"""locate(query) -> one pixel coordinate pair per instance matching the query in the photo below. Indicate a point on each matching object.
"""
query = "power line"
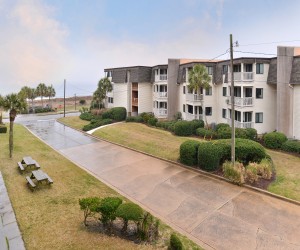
(255, 53)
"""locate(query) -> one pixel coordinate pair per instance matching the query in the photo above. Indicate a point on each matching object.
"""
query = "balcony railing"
(241, 76)
(241, 102)
(194, 97)
(135, 101)
(238, 124)
(163, 77)
(160, 112)
(160, 94)
(190, 117)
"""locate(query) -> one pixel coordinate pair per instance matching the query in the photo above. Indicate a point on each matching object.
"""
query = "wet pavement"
(215, 214)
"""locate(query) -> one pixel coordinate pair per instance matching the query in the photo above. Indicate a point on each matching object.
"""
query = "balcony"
(190, 117)
(238, 124)
(241, 102)
(162, 77)
(194, 97)
(160, 112)
(135, 101)
(241, 76)
(160, 95)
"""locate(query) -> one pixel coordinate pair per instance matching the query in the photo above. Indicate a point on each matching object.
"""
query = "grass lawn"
(74, 122)
(50, 218)
(141, 137)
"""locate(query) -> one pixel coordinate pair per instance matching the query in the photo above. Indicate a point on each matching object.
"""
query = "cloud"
(34, 48)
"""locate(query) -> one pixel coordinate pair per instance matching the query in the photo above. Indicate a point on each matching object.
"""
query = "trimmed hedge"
(205, 133)
(197, 124)
(291, 146)
(87, 116)
(152, 121)
(138, 119)
(224, 132)
(118, 113)
(97, 124)
(222, 125)
(183, 128)
(274, 140)
(146, 116)
(251, 134)
(3, 129)
(167, 125)
(188, 152)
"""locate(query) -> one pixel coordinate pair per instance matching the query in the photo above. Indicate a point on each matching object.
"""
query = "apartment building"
(266, 91)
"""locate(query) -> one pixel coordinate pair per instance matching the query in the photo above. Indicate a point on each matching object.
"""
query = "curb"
(199, 171)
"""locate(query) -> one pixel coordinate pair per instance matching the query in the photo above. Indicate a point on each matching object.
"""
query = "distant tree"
(50, 92)
(82, 102)
(1, 100)
(14, 103)
(32, 95)
(41, 91)
(104, 86)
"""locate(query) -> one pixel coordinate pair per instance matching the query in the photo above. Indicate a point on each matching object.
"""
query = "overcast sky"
(52, 40)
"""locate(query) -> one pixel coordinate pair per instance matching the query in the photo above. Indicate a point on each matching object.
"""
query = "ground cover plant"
(50, 218)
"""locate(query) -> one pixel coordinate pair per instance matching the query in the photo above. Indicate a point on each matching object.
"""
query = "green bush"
(138, 119)
(96, 124)
(196, 124)
(224, 132)
(129, 211)
(183, 128)
(234, 173)
(189, 152)
(89, 206)
(3, 129)
(251, 134)
(175, 242)
(118, 114)
(274, 140)
(167, 125)
(210, 155)
(108, 207)
(205, 133)
(152, 121)
(146, 116)
(107, 114)
(87, 116)
(43, 110)
(222, 125)
(240, 133)
(290, 146)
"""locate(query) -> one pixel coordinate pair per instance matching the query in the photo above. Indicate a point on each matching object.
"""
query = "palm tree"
(32, 95)
(41, 91)
(25, 92)
(1, 100)
(50, 92)
(199, 79)
(14, 103)
(104, 86)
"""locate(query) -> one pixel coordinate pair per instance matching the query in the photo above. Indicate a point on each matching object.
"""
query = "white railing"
(163, 77)
(160, 94)
(241, 76)
(190, 117)
(194, 97)
(241, 102)
(238, 124)
(160, 112)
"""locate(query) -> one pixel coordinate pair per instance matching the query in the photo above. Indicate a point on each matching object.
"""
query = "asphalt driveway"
(215, 214)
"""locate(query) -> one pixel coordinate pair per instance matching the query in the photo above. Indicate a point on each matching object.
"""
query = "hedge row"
(3, 129)
(97, 124)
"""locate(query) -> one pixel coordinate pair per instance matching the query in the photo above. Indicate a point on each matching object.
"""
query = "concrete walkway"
(215, 214)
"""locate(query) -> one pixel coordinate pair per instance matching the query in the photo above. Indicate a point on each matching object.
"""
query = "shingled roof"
(295, 74)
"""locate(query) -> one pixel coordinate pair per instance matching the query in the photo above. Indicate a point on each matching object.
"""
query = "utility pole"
(64, 97)
(232, 105)
(75, 101)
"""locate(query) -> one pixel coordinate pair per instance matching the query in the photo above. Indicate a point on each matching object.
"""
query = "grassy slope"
(74, 122)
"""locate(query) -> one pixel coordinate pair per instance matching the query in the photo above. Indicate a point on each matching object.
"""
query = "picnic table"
(28, 162)
(40, 177)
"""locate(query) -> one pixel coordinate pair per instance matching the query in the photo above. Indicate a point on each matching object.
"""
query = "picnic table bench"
(28, 162)
(30, 183)
(40, 178)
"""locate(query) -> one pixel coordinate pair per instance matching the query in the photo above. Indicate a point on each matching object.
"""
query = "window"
(225, 69)
(258, 117)
(183, 108)
(163, 105)
(237, 68)
(209, 70)
(163, 88)
(224, 91)
(224, 113)
(208, 111)
(259, 93)
(109, 74)
(110, 100)
(237, 116)
(208, 91)
(183, 89)
(259, 68)
(248, 67)
(248, 92)
(163, 71)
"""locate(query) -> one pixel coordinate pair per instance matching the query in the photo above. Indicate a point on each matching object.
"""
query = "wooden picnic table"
(41, 177)
(28, 162)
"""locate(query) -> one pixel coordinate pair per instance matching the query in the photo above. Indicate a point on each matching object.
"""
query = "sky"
(47, 41)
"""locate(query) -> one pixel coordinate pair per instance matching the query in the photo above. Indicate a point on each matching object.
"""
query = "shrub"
(222, 125)
(146, 116)
(129, 211)
(96, 124)
(291, 146)
(224, 132)
(138, 119)
(196, 124)
(189, 152)
(205, 133)
(87, 116)
(108, 207)
(274, 140)
(240, 133)
(251, 134)
(183, 128)
(210, 155)
(3, 129)
(82, 102)
(177, 116)
(234, 173)
(265, 169)
(118, 114)
(152, 121)
(148, 227)
(167, 125)
(251, 172)
(89, 206)
(175, 242)
(107, 114)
